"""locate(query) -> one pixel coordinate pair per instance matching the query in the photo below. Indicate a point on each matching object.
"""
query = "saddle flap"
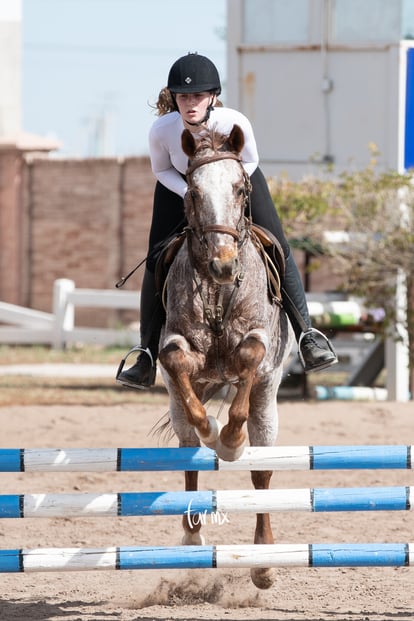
(165, 258)
(273, 258)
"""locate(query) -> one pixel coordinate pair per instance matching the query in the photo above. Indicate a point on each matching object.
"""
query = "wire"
(98, 49)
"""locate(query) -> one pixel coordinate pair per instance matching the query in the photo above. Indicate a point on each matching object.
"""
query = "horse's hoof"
(227, 453)
(193, 539)
(211, 439)
(262, 578)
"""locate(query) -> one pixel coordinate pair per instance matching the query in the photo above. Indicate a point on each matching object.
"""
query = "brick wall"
(87, 220)
(10, 225)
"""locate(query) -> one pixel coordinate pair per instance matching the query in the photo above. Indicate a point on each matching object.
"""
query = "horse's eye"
(240, 192)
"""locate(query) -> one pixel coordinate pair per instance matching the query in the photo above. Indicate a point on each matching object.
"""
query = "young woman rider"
(190, 101)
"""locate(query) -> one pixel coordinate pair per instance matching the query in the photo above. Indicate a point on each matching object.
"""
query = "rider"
(190, 102)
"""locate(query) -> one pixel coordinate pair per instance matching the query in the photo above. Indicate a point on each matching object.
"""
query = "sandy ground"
(326, 594)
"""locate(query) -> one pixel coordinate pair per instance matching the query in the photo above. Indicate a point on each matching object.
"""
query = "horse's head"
(218, 190)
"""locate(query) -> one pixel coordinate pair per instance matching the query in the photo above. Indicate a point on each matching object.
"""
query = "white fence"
(58, 328)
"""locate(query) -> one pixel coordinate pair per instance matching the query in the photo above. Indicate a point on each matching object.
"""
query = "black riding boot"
(315, 351)
(142, 373)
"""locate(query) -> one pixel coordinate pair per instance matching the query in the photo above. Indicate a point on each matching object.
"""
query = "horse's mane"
(211, 140)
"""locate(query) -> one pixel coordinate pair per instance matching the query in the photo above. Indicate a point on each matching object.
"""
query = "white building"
(323, 79)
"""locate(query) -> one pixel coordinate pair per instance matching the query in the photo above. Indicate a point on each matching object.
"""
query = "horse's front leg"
(248, 357)
(181, 364)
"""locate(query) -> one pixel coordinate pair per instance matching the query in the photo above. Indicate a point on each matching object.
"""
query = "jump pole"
(208, 557)
(218, 502)
(204, 459)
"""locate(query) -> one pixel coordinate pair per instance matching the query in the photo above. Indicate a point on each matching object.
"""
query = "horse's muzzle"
(224, 272)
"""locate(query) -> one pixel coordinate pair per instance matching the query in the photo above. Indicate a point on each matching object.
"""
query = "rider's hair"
(166, 103)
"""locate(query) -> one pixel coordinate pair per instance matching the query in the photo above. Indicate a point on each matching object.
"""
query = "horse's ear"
(236, 139)
(188, 143)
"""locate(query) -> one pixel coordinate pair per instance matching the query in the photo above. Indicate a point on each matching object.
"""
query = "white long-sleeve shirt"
(168, 159)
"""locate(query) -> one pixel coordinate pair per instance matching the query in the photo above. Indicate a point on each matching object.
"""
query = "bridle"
(239, 234)
(217, 317)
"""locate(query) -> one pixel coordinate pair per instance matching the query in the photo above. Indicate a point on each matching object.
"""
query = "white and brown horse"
(222, 327)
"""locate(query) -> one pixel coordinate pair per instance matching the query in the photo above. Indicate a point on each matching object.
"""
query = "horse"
(222, 326)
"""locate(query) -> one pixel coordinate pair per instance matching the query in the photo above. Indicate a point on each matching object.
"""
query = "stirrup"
(325, 338)
(144, 350)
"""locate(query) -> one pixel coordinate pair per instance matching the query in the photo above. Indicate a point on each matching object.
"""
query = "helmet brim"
(200, 88)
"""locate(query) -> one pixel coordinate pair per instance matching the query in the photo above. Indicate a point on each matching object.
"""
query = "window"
(407, 26)
(366, 21)
(276, 21)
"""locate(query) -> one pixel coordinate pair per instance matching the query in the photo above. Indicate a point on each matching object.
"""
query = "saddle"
(265, 243)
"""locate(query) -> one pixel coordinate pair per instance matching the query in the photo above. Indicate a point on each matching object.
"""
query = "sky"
(92, 68)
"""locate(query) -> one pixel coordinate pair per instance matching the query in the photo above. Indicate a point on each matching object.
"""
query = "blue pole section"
(360, 457)
(176, 557)
(11, 561)
(11, 506)
(359, 555)
(11, 460)
(361, 499)
(187, 458)
(165, 503)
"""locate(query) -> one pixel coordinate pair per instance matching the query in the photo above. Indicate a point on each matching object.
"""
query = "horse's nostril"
(215, 267)
(224, 272)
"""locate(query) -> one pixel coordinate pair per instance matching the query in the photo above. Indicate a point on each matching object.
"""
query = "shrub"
(376, 210)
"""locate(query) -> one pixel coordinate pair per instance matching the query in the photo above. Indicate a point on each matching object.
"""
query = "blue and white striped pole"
(222, 502)
(204, 459)
(211, 557)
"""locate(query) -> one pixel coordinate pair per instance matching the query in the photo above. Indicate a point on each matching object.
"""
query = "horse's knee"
(168, 355)
(250, 355)
(177, 358)
(173, 359)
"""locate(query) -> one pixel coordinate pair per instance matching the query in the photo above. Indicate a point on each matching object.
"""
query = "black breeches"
(263, 210)
(168, 215)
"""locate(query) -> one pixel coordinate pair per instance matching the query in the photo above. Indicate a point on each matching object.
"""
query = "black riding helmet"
(193, 74)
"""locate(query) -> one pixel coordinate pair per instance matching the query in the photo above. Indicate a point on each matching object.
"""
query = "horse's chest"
(210, 311)
(214, 319)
